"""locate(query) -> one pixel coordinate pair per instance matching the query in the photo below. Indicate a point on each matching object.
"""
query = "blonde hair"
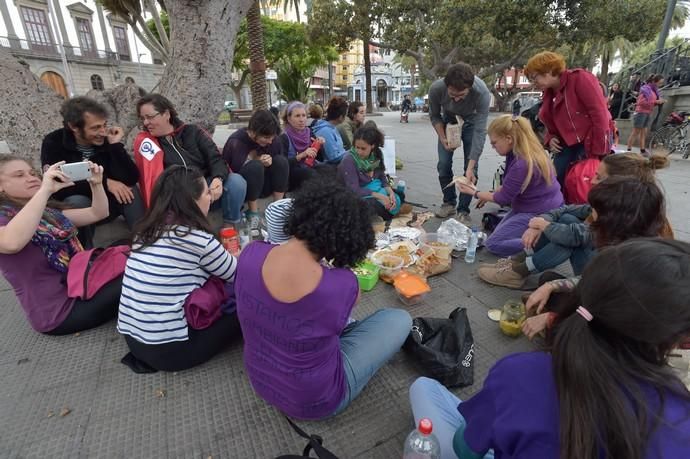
(526, 145)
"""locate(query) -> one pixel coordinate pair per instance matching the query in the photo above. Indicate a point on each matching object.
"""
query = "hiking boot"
(504, 276)
(405, 209)
(498, 264)
(446, 210)
(464, 218)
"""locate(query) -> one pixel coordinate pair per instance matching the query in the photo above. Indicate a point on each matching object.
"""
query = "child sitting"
(363, 172)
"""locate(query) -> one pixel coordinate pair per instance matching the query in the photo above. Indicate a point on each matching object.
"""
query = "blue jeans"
(445, 169)
(430, 399)
(366, 345)
(234, 192)
(548, 255)
(563, 160)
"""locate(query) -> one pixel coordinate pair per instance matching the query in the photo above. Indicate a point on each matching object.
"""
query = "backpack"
(578, 180)
(89, 270)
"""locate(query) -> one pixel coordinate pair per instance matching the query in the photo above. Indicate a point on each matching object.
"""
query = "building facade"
(100, 49)
(390, 81)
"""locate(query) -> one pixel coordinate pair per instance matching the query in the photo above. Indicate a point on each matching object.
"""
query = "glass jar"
(512, 317)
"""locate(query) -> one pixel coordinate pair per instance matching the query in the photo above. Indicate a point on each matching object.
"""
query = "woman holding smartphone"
(36, 262)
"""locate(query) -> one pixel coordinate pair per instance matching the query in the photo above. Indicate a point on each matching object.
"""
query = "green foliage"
(165, 20)
(292, 81)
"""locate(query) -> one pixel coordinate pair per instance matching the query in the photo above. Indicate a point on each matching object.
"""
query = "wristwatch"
(476, 194)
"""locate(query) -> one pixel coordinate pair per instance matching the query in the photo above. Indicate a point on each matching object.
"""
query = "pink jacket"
(577, 113)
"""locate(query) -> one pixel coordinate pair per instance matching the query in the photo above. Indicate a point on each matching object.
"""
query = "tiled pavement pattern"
(211, 411)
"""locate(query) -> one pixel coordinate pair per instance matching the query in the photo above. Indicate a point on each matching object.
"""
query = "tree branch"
(240, 83)
(499, 67)
(153, 47)
(159, 25)
(144, 30)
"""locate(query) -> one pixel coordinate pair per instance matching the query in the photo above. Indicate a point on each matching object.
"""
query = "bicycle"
(672, 138)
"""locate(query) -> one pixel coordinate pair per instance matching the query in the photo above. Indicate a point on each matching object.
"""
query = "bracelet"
(476, 194)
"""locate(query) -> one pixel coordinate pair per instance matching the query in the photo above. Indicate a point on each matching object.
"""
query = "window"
(37, 29)
(121, 44)
(344, 68)
(509, 80)
(344, 77)
(88, 48)
(523, 79)
(387, 52)
(97, 82)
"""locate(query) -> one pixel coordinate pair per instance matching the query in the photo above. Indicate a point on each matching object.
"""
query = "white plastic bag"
(388, 151)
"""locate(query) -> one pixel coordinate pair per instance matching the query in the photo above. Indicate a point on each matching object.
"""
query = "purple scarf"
(300, 139)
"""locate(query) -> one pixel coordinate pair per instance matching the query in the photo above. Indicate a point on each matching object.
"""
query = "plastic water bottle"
(472, 246)
(245, 236)
(401, 186)
(422, 443)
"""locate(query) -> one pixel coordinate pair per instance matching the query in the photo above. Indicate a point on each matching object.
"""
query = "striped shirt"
(276, 215)
(86, 151)
(159, 278)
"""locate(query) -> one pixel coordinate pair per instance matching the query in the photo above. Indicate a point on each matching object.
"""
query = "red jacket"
(576, 112)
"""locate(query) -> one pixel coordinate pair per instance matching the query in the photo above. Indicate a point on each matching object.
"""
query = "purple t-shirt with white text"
(292, 350)
(40, 289)
(516, 414)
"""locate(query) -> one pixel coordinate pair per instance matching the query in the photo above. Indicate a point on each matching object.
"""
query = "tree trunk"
(605, 58)
(367, 76)
(413, 70)
(257, 60)
(29, 108)
(202, 37)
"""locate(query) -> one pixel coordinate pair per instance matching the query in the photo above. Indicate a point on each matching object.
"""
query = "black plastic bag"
(444, 348)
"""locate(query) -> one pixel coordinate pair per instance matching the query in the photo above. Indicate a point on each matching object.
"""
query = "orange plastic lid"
(410, 285)
(228, 232)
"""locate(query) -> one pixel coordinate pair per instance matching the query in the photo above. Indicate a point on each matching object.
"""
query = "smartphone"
(76, 171)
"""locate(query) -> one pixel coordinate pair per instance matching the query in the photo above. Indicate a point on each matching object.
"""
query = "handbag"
(315, 443)
(444, 348)
(203, 306)
(454, 134)
(89, 270)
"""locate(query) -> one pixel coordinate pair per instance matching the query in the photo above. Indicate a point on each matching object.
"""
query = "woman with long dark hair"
(605, 390)
(173, 254)
(356, 113)
(38, 239)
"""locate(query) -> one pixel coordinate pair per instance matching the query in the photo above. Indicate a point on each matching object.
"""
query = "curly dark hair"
(459, 76)
(336, 108)
(264, 123)
(73, 111)
(173, 204)
(626, 208)
(332, 221)
(353, 108)
(372, 136)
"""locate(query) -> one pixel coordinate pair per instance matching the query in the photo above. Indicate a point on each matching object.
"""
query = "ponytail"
(634, 164)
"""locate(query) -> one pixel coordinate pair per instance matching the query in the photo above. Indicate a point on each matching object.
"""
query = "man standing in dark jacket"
(86, 135)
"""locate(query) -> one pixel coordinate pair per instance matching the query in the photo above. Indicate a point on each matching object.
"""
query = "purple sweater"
(292, 350)
(355, 179)
(538, 197)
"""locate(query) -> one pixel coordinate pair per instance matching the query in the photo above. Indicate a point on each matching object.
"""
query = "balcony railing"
(33, 49)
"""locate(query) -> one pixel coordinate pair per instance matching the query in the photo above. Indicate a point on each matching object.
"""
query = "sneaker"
(405, 209)
(464, 218)
(503, 276)
(446, 210)
(254, 222)
(498, 264)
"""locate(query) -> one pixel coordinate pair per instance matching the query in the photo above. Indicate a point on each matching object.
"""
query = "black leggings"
(299, 173)
(262, 181)
(379, 209)
(86, 314)
(181, 355)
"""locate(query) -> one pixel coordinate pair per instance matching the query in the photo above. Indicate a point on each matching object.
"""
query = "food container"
(389, 265)
(230, 240)
(367, 275)
(512, 317)
(411, 288)
(443, 249)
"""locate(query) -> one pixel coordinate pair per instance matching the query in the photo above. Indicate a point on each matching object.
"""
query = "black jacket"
(192, 146)
(60, 145)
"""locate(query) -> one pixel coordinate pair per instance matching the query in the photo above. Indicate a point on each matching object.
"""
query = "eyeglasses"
(148, 117)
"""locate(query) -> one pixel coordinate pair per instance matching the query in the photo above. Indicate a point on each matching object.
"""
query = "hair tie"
(585, 313)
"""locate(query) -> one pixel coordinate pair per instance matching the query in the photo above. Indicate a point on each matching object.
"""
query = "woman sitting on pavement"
(363, 172)
(38, 238)
(604, 390)
(333, 148)
(173, 254)
(297, 143)
(564, 233)
(254, 152)
(623, 208)
(190, 146)
(301, 352)
(356, 112)
(529, 184)
(574, 111)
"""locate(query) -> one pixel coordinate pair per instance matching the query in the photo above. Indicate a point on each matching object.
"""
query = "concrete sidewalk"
(211, 410)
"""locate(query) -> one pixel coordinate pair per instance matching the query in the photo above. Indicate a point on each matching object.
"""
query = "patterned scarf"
(56, 236)
(368, 164)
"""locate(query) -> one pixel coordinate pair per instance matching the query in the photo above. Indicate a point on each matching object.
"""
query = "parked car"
(230, 105)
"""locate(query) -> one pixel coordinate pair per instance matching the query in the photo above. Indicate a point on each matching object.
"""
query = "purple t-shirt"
(40, 289)
(292, 350)
(538, 197)
(516, 413)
